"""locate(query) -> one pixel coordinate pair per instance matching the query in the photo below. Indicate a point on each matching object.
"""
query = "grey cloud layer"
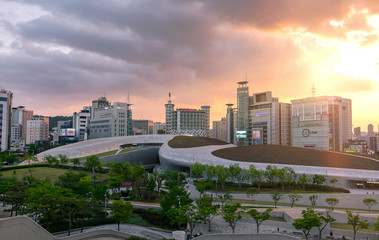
(151, 46)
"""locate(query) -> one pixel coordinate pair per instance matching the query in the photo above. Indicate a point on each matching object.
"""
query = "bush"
(136, 238)
(155, 217)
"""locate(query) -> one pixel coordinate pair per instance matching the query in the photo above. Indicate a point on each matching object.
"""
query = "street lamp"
(105, 204)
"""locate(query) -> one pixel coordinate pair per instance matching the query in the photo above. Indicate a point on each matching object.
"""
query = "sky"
(58, 56)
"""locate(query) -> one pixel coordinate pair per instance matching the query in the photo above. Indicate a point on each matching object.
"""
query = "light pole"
(105, 204)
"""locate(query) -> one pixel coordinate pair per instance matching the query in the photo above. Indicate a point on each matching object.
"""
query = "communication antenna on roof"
(313, 90)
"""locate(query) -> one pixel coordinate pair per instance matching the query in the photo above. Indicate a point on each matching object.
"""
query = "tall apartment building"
(357, 133)
(143, 127)
(159, 128)
(37, 129)
(323, 123)
(110, 120)
(80, 122)
(219, 129)
(243, 112)
(231, 123)
(186, 120)
(270, 120)
(5, 118)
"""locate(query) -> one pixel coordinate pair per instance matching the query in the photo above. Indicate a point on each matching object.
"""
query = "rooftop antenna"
(313, 90)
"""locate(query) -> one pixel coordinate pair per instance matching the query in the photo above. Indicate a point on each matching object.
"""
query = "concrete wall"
(24, 228)
(245, 237)
(143, 156)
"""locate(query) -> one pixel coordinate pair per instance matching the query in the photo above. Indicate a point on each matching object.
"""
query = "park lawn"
(45, 172)
(346, 226)
(104, 154)
(129, 150)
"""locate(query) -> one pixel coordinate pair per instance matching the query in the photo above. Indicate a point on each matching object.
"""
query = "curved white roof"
(101, 145)
(184, 157)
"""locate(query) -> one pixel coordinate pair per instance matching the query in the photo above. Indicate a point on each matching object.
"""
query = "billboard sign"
(241, 134)
(351, 150)
(257, 136)
(67, 132)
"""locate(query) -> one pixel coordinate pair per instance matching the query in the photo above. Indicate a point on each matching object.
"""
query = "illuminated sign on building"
(241, 134)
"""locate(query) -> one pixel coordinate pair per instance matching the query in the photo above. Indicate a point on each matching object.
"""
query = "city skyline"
(57, 57)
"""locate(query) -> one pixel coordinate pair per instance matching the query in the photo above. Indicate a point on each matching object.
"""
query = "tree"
(235, 171)
(259, 217)
(121, 211)
(258, 176)
(202, 185)
(222, 174)
(356, 222)
(224, 197)
(303, 181)
(294, 198)
(193, 217)
(174, 178)
(376, 225)
(370, 202)
(318, 179)
(159, 177)
(276, 197)
(271, 173)
(76, 161)
(197, 170)
(51, 159)
(230, 214)
(207, 210)
(332, 202)
(309, 220)
(93, 163)
(63, 158)
(324, 221)
(176, 198)
(123, 170)
(313, 200)
(210, 171)
(286, 176)
(333, 180)
(252, 192)
(67, 207)
(139, 179)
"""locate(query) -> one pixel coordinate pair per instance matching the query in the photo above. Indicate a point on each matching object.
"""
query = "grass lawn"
(346, 226)
(277, 154)
(45, 172)
(136, 219)
(128, 150)
(104, 154)
(190, 142)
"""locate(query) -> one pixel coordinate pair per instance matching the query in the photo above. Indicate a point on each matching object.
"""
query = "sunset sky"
(58, 56)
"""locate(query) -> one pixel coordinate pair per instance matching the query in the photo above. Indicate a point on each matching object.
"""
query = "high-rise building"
(370, 130)
(322, 123)
(143, 127)
(37, 129)
(80, 122)
(5, 118)
(110, 120)
(186, 120)
(243, 113)
(270, 120)
(357, 133)
(231, 123)
(159, 128)
(219, 129)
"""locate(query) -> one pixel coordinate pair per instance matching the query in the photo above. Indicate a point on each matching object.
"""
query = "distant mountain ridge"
(53, 121)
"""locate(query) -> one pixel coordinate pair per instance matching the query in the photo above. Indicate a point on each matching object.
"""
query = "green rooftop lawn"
(277, 154)
(190, 142)
(104, 154)
(45, 172)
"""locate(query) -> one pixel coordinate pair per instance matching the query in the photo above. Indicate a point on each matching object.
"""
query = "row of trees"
(272, 175)
(293, 197)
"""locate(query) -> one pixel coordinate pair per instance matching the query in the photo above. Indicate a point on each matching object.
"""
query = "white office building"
(270, 120)
(80, 122)
(322, 123)
(189, 121)
(5, 118)
(110, 120)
